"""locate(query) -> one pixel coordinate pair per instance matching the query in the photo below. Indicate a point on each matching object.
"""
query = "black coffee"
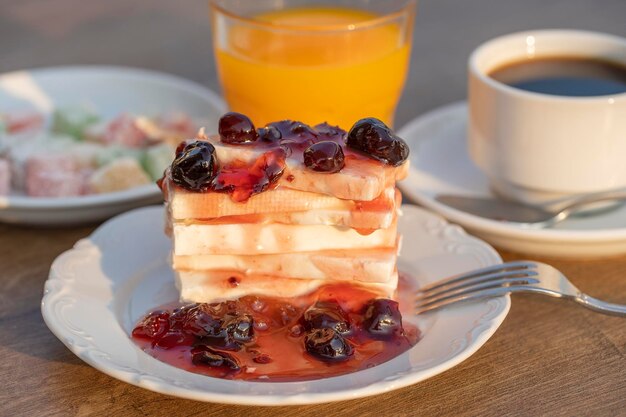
(564, 76)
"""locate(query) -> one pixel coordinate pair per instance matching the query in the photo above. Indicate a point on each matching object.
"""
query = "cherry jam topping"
(322, 148)
(294, 132)
(153, 326)
(326, 315)
(376, 139)
(340, 328)
(383, 319)
(269, 134)
(329, 132)
(328, 345)
(236, 128)
(206, 355)
(324, 156)
(195, 167)
(242, 180)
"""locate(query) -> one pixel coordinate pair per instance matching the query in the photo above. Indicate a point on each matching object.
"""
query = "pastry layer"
(184, 204)
(360, 179)
(367, 265)
(246, 239)
(213, 286)
(364, 220)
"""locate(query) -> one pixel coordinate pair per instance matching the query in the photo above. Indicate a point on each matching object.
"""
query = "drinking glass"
(313, 61)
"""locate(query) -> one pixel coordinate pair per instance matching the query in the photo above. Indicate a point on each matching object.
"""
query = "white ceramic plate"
(100, 288)
(440, 164)
(111, 91)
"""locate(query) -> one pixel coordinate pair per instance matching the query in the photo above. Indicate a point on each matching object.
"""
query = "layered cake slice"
(285, 245)
(284, 209)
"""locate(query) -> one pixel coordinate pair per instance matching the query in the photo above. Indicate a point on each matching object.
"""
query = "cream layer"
(213, 286)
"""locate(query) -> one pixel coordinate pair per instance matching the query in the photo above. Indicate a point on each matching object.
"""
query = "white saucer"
(98, 290)
(111, 91)
(441, 164)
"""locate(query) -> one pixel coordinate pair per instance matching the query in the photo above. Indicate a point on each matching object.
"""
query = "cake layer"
(185, 204)
(361, 179)
(362, 220)
(254, 238)
(362, 216)
(213, 286)
(367, 265)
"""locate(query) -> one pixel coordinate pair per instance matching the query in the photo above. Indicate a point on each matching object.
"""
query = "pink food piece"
(85, 174)
(23, 121)
(123, 130)
(53, 176)
(177, 123)
(5, 177)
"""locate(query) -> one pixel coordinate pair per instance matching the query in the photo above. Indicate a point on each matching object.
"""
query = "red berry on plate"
(174, 338)
(262, 358)
(200, 323)
(327, 344)
(205, 355)
(153, 326)
(326, 314)
(382, 318)
(239, 327)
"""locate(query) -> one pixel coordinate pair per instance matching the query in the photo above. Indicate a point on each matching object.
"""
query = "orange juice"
(307, 64)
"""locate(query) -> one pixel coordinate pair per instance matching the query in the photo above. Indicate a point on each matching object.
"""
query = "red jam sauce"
(278, 141)
(243, 180)
(338, 329)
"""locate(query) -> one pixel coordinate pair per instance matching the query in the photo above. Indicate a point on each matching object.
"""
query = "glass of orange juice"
(313, 61)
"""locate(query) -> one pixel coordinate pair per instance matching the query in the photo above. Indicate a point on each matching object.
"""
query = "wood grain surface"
(548, 358)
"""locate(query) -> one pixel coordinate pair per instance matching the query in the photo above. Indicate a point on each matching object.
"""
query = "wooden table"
(548, 358)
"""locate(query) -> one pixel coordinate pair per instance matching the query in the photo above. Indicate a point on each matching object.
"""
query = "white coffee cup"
(536, 147)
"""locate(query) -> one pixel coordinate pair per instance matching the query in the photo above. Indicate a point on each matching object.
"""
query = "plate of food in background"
(80, 144)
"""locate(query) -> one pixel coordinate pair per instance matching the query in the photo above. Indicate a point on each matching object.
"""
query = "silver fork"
(496, 280)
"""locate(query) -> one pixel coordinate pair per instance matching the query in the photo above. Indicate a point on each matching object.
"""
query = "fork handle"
(601, 306)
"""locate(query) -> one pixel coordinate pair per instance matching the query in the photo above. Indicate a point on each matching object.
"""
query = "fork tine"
(498, 283)
(458, 284)
(487, 293)
(520, 265)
